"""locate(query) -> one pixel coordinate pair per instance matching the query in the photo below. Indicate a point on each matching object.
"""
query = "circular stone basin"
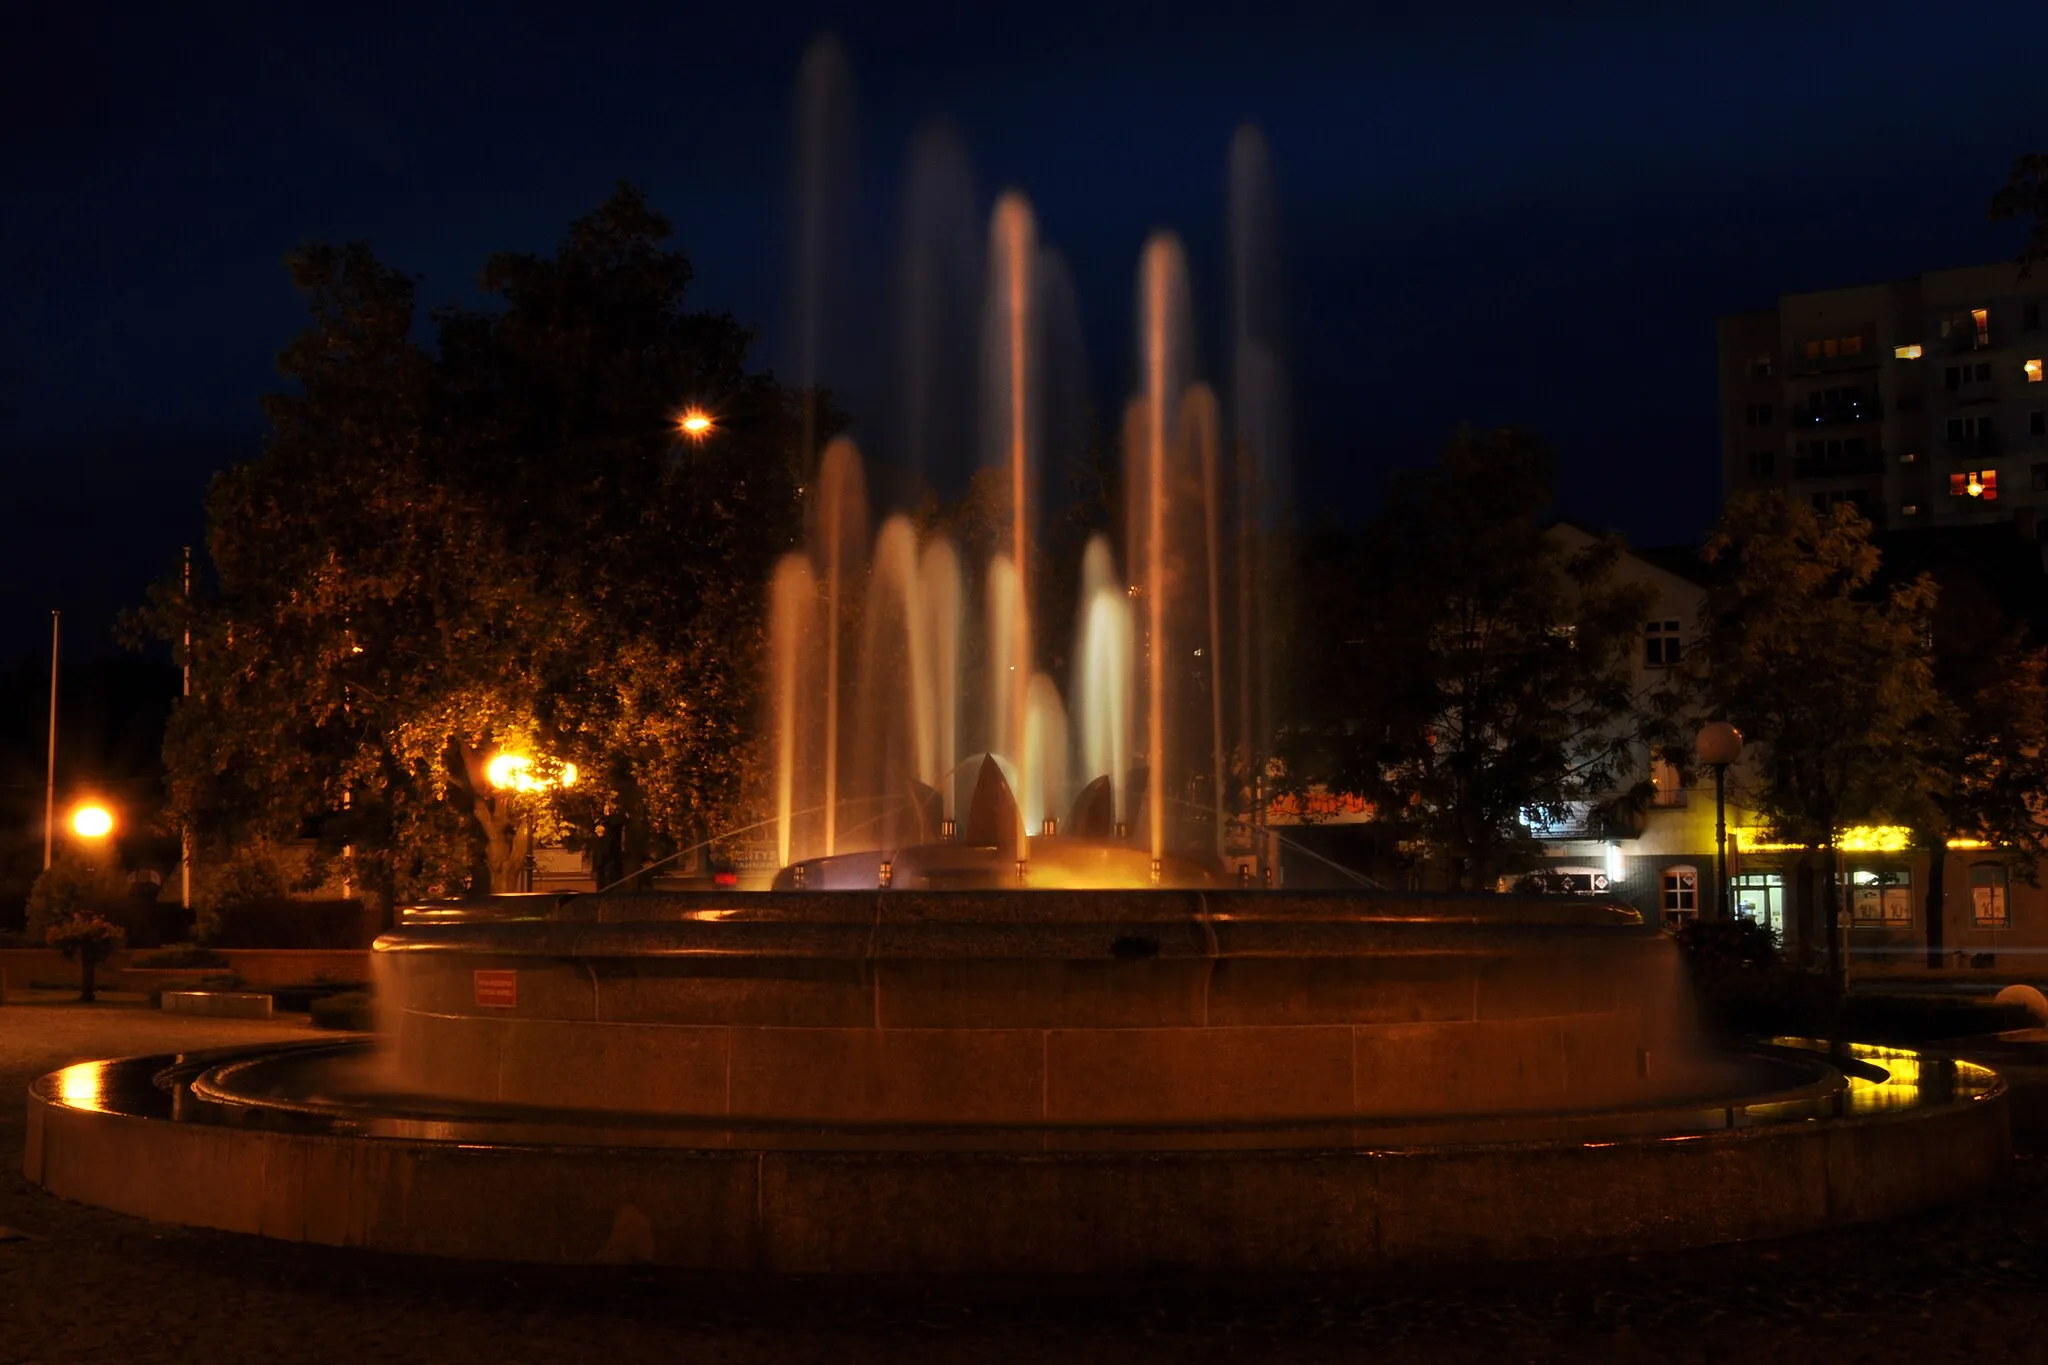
(823, 1083)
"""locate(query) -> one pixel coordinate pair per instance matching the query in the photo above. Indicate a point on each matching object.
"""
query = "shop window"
(1989, 906)
(1881, 898)
(1681, 898)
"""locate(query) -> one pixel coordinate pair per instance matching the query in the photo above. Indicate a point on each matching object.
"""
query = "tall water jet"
(1011, 388)
(1064, 386)
(839, 535)
(1163, 327)
(896, 720)
(1102, 687)
(792, 599)
(1046, 792)
(1009, 673)
(1260, 444)
(939, 294)
(1199, 422)
(942, 594)
(821, 210)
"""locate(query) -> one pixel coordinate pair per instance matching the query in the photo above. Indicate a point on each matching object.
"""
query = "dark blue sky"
(1499, 211)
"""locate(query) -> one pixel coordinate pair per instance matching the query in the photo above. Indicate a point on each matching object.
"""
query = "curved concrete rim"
(873, 1211)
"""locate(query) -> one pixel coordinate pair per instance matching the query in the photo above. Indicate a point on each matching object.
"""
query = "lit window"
(1912, 352)
(1911, 509)
(2033, 369)
(1813, 350)
(1681, 898)
(1910, 457)
(1977, 483)
(1667, 782)
(1852, 345)
(1661, 643)
(1989, 907)
(1881, 899)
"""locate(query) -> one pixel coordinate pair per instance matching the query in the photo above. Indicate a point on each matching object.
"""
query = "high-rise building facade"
(1922, 401)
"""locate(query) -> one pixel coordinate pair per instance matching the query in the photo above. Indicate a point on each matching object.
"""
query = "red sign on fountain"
(497, 989)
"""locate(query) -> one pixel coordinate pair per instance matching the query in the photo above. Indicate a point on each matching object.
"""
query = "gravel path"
(1965, 1284)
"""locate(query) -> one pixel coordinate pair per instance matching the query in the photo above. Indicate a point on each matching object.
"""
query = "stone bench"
(219, 1004)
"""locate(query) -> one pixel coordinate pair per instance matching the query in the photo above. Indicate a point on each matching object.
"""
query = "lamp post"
(510, 772)
(1718, 745)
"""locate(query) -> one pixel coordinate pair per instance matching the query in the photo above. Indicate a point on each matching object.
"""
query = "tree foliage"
(1829, 679)
(2025, 195)
(499, 541)
(1464, 670)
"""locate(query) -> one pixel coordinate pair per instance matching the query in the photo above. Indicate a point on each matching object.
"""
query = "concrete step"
(219, 1004)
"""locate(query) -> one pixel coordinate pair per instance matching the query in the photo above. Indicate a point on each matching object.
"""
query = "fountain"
(1000, 973)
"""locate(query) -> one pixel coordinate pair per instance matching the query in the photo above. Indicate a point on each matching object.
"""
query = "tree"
(2025, 195)
(1829, 681)
(70, 909)
(501, 543)
(1470, 672)
(1981, 769)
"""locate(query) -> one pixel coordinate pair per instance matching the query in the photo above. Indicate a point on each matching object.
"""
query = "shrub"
(88, 940)
(1718, 948)
(69, 888)
(346, 1010)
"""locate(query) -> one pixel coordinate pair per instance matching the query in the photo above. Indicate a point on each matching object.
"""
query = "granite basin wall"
(1021, 1008)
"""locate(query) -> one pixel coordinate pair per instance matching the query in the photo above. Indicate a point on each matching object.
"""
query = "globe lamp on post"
(91, 821)
(1718, 745)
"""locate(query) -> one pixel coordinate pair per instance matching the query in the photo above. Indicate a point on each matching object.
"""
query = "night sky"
(1507, 212)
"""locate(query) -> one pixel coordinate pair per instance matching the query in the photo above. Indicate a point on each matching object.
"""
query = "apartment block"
(1922, 401)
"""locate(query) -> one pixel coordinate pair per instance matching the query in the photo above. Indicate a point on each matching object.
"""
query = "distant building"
(1922, 401)
(1659, 855)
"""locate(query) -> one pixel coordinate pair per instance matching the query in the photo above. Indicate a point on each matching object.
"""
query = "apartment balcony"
(1842, 413)
(1838, 466)
(1988, 446)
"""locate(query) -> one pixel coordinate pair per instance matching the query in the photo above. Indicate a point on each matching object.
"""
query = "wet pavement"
(1968, 1283)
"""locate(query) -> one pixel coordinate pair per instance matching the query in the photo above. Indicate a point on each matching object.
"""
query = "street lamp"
(1718, 745)
(695, 423)
(92, 821)
(510, 772)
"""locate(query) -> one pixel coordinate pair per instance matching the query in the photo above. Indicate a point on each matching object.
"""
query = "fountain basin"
(969, 1083)
(1049, 1008)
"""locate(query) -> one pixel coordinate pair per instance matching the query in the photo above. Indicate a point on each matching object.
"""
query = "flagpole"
(50, 790)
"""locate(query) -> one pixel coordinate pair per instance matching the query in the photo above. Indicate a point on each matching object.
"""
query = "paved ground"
(1966, 1284)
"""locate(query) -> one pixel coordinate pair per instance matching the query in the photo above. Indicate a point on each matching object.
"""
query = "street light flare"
(92, 822)
(695, 423)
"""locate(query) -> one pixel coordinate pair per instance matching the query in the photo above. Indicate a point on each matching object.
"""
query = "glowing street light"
(92, 822)
(510, 772)
(695, 423)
